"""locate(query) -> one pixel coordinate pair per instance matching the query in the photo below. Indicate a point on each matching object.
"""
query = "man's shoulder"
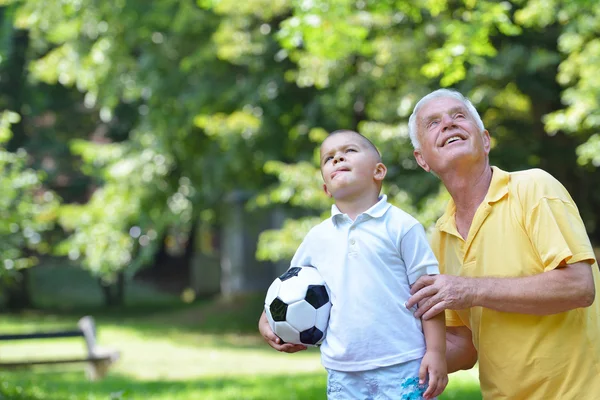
(535, 184)
(534, 178)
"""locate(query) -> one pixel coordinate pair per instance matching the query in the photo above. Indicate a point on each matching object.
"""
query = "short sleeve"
(302, 255)
(558, 233)
(417, 254)
(452, 318)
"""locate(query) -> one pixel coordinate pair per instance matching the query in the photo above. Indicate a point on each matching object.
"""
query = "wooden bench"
(99, 360)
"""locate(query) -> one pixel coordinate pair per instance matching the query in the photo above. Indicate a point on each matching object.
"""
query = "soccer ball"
(297, 306)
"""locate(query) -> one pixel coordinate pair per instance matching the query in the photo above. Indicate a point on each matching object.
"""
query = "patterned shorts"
(397, 382)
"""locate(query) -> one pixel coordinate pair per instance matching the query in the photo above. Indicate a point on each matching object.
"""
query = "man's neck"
(356, 206)
(469, 188)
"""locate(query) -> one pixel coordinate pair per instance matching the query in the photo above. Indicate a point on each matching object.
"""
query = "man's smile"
(452, 138)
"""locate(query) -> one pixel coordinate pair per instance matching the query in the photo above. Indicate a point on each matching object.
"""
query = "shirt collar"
(497, 190)
(376, 211)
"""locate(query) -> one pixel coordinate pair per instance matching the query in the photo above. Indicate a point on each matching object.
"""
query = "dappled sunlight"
(70, 385)
(162, 361)
(41, 349)
(184, 356)
(209, 350)
(66, 384)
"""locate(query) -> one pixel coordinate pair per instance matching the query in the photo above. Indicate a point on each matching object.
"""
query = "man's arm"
(460, 352)
(561, 289)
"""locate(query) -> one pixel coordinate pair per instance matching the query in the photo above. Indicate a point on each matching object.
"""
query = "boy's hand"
(273, 340)
(433, 366)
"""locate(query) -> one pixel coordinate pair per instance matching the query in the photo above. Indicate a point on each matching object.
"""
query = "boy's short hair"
(369, 144)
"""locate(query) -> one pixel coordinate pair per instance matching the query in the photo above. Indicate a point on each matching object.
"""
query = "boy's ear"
(326, 191)
(380, 172)
(421, 160)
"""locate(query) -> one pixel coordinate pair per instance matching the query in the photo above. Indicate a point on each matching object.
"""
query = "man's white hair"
(412, 120)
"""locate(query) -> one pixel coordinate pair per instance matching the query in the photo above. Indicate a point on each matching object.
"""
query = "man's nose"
(447, 122)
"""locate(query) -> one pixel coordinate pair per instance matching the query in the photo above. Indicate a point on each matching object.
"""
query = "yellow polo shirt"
(527, 224)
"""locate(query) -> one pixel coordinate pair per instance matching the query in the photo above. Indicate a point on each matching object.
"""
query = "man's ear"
(326, 191)
(380, 172)
(421, 161)
(487, 141)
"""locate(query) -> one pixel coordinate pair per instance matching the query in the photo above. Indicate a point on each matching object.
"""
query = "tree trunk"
(16, 73)
(120, 289)
(114, 293)
(18, 295)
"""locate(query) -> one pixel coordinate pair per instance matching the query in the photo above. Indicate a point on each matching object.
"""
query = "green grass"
(169, 350)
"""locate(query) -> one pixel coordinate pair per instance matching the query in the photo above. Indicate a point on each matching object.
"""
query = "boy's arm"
(420, 260)
(301, 257)
(435, 334)
(433, 365)
(273, 340)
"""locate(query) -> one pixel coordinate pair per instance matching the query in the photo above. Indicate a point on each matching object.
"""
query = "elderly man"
(519, 275)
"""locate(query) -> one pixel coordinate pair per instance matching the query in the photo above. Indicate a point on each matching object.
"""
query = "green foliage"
(192, 100)
(27, 210)
(277, 244)
(378, 58)
(189, 76)
(579, 43)
(122, 220)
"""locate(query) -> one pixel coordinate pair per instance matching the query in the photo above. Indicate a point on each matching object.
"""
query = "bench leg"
(97, 370)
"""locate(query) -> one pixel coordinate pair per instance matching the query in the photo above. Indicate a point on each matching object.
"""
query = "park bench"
(98, 360)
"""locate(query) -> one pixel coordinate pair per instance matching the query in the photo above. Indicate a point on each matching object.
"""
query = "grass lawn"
(169, 350)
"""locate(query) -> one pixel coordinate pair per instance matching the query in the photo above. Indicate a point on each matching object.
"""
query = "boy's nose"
(338, 158)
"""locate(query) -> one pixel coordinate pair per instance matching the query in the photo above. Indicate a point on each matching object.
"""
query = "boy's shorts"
(398, 382)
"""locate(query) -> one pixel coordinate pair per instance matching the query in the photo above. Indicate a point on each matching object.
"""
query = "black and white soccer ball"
(297, 306)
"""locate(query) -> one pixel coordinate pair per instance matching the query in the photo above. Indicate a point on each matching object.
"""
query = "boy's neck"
(354, 207)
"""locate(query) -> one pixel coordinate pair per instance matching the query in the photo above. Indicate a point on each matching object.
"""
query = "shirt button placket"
(352, 241)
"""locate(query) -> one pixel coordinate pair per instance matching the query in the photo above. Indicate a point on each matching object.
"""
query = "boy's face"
(350, 166)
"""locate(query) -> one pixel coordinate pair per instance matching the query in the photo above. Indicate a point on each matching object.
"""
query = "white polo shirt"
(369, 265)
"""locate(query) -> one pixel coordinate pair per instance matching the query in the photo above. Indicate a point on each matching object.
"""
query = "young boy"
(369, 253)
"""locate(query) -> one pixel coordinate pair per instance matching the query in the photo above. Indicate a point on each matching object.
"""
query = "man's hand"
(273, 340)
(436, 293)
(433, 366)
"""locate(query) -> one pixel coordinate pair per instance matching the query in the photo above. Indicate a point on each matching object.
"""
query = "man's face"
(448, 135)
(349, 166)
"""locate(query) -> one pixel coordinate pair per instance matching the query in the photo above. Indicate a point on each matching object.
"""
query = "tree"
(27, 211)
(204, 118)
(196, 99)
(494, 52)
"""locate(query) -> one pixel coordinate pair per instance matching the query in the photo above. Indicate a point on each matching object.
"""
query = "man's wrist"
(475, 291)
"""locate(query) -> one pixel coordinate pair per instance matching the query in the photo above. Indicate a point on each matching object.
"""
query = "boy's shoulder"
(320, 229)
(396, 214)
(394, 217)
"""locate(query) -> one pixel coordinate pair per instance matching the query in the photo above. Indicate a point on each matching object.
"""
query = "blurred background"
(157, 162)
